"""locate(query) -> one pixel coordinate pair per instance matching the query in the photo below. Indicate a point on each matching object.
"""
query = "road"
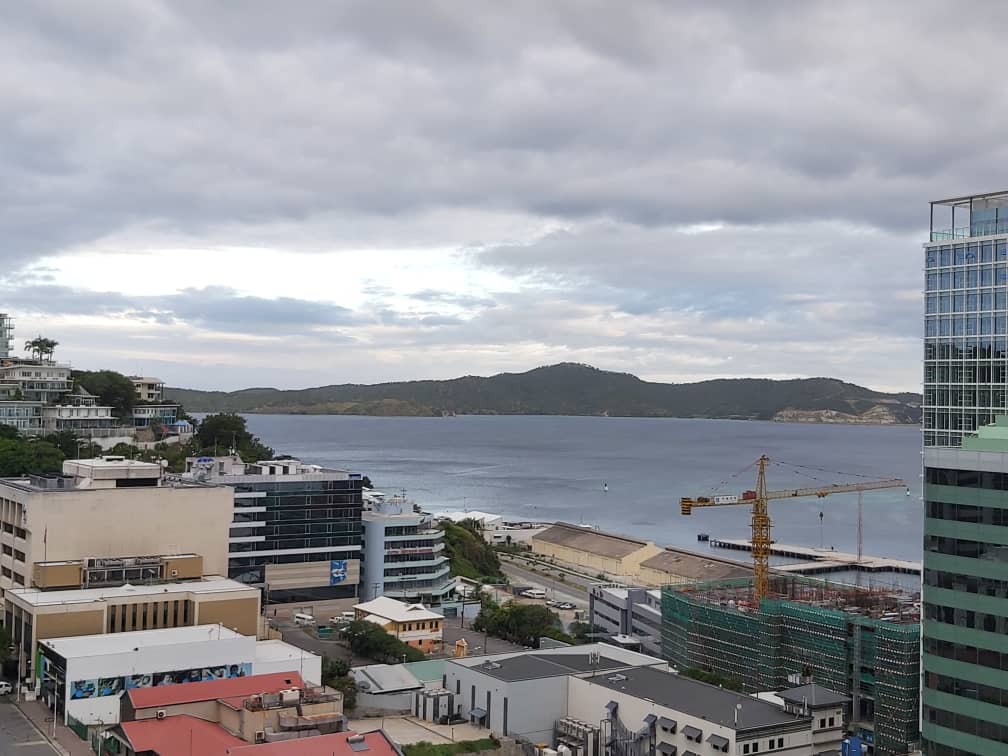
(573, 589)
(18, 737)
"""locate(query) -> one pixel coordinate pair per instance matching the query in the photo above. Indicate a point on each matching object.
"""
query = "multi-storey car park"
(858, 642)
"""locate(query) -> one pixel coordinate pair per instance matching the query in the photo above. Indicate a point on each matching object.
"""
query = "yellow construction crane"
(761, 519)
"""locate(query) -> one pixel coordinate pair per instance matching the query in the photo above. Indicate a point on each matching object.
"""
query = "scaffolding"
(860, 642)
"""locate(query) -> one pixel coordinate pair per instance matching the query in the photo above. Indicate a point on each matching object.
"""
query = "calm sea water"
(554, 468)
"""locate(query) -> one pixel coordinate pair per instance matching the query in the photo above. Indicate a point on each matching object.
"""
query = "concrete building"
(594, 551)
(404, 553)
(523, 693)
(827, 709)
(69, 517)
(413, 624)
(385, 688)
(148, 389)
(296, 530)
(629, 611)
(652, 711)
(85, 677)
(34, 615)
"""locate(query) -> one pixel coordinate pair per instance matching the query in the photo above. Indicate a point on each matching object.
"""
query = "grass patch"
(423, 748)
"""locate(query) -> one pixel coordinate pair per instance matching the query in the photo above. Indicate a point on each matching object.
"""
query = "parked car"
(566, 605)
(551, 602)
(5, 688)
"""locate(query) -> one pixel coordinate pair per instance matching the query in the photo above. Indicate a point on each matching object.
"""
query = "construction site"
(863, 643)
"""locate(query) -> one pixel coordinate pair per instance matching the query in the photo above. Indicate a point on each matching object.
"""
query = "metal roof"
(698, 699)
(816, 696)
(695, 566)
(586, 539)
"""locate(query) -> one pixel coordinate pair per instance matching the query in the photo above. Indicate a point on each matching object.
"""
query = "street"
(17, 735)
(571, 589)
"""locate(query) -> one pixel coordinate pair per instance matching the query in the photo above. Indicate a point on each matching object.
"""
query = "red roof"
(180, 736)
(183, 693)
(320, 745)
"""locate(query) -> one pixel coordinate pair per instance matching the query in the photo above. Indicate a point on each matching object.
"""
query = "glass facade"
(964, 696)
(296, 521)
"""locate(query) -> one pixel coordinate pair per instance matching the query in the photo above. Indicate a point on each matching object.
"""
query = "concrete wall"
(147, 659)
(309, 667)
(532, 705)
(147, 521)
(68, 624)
(627, 566)
(587, 702)
(240, 615)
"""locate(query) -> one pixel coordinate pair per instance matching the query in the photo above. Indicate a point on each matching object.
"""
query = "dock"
(823, 561)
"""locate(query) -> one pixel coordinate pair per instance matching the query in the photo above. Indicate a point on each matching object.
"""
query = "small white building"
(84, 677)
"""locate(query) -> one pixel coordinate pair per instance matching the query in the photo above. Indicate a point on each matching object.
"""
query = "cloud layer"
(678, 190)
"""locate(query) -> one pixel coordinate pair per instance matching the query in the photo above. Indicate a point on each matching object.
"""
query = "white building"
(85, 676)
(148, 389)
(403, 556)
(494, 529)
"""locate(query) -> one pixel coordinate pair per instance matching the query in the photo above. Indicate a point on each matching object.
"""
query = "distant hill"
(572, 389)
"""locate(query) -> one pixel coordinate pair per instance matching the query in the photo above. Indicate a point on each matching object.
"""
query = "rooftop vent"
(616, 678)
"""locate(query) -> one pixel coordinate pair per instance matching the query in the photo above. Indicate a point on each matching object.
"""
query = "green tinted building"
(965, 629)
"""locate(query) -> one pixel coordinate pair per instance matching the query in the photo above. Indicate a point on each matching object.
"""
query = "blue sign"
(337, 571)
(204, 460)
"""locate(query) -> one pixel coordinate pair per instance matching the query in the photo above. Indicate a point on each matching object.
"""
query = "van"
(304, 619)
(534, 593)
(343, 618)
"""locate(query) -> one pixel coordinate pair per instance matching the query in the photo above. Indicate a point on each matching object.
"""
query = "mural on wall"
(113, 686)
(337, 571)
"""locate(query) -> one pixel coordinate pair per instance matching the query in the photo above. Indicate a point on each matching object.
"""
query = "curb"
(56, 745)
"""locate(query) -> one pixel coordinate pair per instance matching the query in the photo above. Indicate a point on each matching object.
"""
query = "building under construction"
(864, 643)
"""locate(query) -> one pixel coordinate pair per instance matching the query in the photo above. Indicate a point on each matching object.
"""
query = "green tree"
(336, 674)
(9, 432)
(523, 624)
(370, 640)
(468, 554)
(219, 433)
(74, 447)
(27, 457)
(112, 389)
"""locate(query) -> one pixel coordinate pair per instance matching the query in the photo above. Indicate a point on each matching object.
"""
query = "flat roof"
(536, 666)
(208, 585)
(966, 199)
(698, 699)
(696, 566)
(277, 650)
(816, 696)
(587, 539)
(119, 643)
(211, 690)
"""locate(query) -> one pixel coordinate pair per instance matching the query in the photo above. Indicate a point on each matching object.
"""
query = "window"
(755, 747)
(780, 742)
(745, 748)
(822, 723)
(832, 721)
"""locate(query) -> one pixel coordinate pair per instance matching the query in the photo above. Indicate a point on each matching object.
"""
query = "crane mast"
(761, 540)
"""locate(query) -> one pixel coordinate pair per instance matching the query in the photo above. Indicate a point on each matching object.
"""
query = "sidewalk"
(66, 741)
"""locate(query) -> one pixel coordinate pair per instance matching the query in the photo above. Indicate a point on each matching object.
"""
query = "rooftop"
(967, 199)
(695, 566)
(208, 585)
(179, 736)
(698, 699)
(816, 696)
(537, 666)
(277, 650)
(483, 517)
(385, 678)
(397, 611)
(587, 539)
(323, 745)
(173, 695)
(119, 643)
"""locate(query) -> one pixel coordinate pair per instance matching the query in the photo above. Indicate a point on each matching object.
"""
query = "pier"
(823, 561)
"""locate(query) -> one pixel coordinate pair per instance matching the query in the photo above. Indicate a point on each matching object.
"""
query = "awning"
(666, 748)
(718, 742)
(692, 733)
(477, 714)
(668, 724)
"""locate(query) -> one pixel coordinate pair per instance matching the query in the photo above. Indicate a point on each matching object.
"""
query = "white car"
(5, 688)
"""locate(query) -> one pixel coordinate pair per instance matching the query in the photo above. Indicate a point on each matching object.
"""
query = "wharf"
(822, 561)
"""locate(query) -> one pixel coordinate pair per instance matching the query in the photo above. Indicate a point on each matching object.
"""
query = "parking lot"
(17, 735)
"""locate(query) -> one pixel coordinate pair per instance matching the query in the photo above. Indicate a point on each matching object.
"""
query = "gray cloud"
(813, 133)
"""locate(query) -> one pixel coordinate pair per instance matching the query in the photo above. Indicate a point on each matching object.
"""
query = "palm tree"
(41, 347)
(48, 347)
(34, 347)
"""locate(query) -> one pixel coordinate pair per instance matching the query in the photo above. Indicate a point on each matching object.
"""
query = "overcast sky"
(309, 193)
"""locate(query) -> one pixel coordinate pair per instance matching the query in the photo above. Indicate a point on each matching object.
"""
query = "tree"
(523, 624)
(112, 389)
(370, 640)
(336, 674)
(72, 446)
(218, 433)
(9, 431)
(29, 457)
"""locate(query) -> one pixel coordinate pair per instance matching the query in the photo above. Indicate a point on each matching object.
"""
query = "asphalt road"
(17, 735)
(570, 589)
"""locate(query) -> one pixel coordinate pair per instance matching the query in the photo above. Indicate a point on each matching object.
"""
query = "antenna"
(738, 708)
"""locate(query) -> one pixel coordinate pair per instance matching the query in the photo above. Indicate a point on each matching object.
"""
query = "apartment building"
(403, 556)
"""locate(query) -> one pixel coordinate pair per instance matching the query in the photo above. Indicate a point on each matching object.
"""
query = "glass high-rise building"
(964, 698)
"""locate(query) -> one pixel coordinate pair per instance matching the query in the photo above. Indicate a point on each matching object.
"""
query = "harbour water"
(558, 468)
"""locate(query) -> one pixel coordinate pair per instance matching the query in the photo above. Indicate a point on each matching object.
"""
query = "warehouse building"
(863, 644)
(594, 551)
(680, 567)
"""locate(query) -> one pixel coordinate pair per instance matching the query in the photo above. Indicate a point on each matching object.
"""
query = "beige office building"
(108, 508)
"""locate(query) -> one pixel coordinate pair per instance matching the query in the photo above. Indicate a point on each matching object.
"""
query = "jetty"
(823, 561)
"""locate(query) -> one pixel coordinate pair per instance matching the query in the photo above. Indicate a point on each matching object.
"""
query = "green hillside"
(564, 389)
